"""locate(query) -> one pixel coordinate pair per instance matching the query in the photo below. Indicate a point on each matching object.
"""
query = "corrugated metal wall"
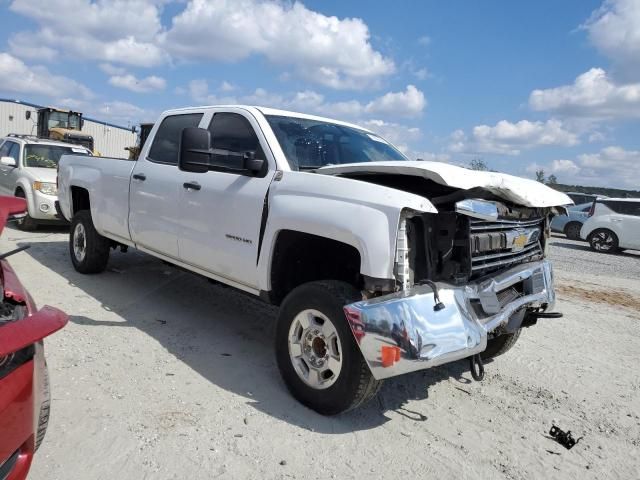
(109, 140)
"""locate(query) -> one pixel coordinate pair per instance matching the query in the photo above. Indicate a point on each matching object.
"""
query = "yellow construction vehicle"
(134, 152)
(64, 126)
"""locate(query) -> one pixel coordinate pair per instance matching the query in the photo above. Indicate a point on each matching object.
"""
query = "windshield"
(310, 144)
(48, 156)
(64, 120)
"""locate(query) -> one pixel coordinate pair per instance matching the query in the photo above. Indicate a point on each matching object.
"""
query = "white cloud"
(612, 166)
(614, 29)
(424, 41)
(17, 77)
(331, 51)
(327, 50)
(139, 85)
(399, 135)
(593, 94)
(227, 87)
(108, 30)
(511, 138)
(409, 103)
(122, 111)
(112, 69)
(564, 166)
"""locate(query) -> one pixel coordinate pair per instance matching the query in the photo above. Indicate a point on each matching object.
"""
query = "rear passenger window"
(166, 143)
(624, 208)
(232, 136)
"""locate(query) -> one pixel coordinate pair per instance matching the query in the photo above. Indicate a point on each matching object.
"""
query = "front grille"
(502, 243)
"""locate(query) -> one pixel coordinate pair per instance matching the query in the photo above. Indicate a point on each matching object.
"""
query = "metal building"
(109, 139)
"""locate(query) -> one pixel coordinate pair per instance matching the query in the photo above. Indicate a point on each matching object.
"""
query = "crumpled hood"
(521, 191)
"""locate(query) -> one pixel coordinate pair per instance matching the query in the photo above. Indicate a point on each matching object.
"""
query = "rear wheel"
(603, 240)
(316, 351)
(88, 249)
(26, 223)
(572, 230)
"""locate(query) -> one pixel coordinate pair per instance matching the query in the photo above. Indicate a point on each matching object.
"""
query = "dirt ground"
(162, 375)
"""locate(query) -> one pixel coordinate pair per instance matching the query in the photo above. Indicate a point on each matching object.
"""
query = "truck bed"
(107, 181)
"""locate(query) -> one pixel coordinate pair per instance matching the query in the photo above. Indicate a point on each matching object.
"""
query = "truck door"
(221, 212)
(154, 191)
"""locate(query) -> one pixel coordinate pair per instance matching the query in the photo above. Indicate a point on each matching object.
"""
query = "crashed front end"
(486, 260)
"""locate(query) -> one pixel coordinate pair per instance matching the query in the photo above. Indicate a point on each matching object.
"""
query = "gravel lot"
(162, 375)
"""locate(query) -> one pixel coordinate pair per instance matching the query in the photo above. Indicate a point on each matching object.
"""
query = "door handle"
(192, 185)
(139, 176)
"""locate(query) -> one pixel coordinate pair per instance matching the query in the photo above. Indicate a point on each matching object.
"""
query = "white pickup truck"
(381, 265)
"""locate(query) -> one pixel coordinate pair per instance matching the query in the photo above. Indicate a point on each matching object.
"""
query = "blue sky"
(522, 85)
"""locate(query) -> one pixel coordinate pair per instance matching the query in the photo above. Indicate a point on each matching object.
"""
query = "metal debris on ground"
(563, 438)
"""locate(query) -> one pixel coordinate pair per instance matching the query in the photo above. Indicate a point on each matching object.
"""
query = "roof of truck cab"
(274, 111)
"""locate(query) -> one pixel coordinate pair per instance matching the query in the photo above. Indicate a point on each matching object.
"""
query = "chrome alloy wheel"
(602, 241)
(314, 349)
(79, 242)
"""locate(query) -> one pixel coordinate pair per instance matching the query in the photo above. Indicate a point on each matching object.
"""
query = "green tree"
(540, 175)
(478, 164)
(552, 180)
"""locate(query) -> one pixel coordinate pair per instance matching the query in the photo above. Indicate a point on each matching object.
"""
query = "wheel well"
(79, 199)
(573, 222)
(302, 257)
(19, 190)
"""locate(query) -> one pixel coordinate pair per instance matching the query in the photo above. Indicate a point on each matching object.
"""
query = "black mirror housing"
(195, 150)
(251, 163)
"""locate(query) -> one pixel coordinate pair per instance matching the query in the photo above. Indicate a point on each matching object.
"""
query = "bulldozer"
(62, 125)
(145, 130)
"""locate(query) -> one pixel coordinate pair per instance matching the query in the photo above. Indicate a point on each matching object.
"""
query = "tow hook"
(477, 367)
(531, 318)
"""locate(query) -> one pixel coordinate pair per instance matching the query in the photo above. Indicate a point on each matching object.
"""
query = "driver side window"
(232, 136)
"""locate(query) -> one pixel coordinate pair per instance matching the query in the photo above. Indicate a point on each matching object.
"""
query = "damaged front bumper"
(426, 337)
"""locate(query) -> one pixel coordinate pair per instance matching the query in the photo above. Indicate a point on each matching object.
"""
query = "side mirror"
(251, 163)
(195, 150)
(8, 161)
(27, 114)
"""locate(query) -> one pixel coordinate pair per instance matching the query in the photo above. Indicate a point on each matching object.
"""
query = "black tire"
(500, 345)
(603, 240)
(45, 409)
(572, 230)
(96, 247)
(354, 385)
(27, 223)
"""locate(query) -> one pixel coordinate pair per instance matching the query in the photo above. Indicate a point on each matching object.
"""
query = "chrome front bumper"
(425, 337)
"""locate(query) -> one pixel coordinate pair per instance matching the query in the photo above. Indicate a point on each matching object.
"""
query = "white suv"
(28, 169)
(613, 224)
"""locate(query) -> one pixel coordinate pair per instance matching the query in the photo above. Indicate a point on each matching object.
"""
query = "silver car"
(28, 169)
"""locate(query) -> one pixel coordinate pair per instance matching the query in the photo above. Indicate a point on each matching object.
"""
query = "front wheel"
(88, 249)
(500, 345)
(316, 351)
(572, 230)
(603, 240)
(26, 223)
